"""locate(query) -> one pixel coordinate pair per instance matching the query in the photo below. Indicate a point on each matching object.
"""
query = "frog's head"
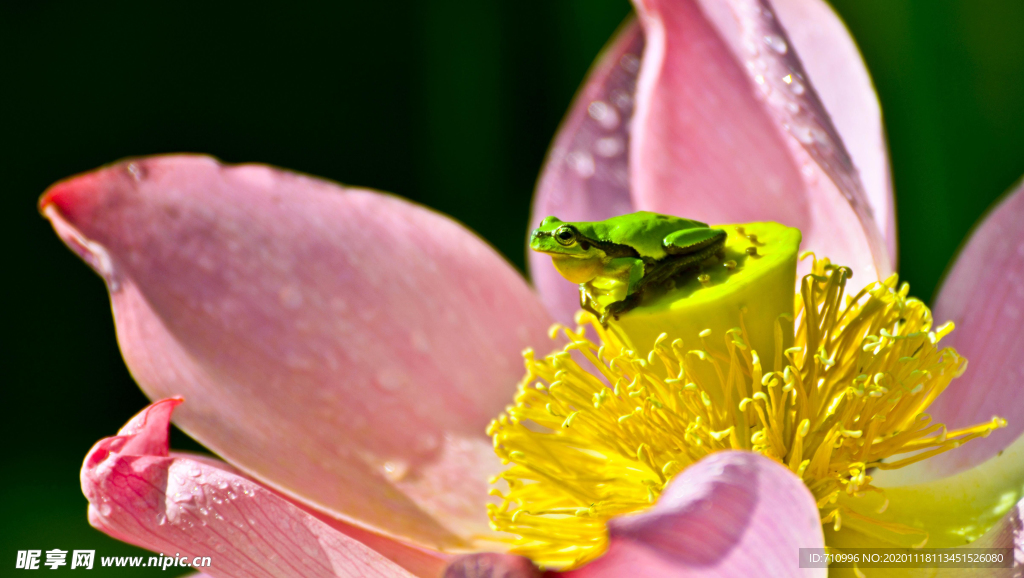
(575, 257)
(559, 239)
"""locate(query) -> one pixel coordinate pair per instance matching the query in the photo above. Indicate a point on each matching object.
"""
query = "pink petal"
(177, 505)
(729, 129)
(585, 176)
(731, 514)
(983, 294)
(490, 565)
(830, 57)
(345, 347)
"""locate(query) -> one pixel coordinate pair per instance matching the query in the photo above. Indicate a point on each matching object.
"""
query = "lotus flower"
(343, 350)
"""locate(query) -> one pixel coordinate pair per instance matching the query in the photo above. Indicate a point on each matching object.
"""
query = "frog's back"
(643, 230)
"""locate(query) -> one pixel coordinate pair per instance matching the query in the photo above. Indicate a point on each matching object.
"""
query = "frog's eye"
(565, 236)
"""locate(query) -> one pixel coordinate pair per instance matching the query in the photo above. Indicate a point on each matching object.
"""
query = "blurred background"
(449, 103)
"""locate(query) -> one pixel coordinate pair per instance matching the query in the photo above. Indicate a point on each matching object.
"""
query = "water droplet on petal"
(604, 114)
(136, 171)
(776, 43)
(582, 163)
(395, 470)
(104, 509)
(621, 99)
(630, 63)
(608, 146)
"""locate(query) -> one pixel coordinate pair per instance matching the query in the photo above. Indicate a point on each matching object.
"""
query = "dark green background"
(448, 103)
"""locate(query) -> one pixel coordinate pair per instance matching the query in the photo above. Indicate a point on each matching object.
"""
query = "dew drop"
(621, 99)
(801, 133)
(582, 163)
(604, 114)
(395, 470)
(161, 519)
(776, 43)
(136, 171)
(630, 63)
(390, 380)
(608, 146)
(104, 509)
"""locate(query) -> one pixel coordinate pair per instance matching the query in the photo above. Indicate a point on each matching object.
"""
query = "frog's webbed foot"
(619, 307)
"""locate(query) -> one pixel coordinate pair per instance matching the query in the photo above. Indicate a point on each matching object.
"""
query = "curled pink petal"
(586, 176)
(831, 58)
(983, 295)
(728, 128)
(490, 565)
(345, 347)
(176, 505)
(733, 514)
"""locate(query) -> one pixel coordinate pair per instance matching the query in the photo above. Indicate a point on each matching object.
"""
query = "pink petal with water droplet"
(983, 294)
(345, 347)
(176, 505)
(728, 128)
(831, 59)
(733, 514)
(586, 175)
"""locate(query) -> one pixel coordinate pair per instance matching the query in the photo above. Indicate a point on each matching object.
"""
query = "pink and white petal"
(983, 295)
(731, 514)
(343, 346)
(586, 175)
(728, 128)
(831, 58)
(139, 494)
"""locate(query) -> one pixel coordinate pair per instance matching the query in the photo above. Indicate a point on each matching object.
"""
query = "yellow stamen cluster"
(598, 430)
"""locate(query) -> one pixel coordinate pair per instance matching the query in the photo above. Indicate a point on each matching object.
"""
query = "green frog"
(621, 257)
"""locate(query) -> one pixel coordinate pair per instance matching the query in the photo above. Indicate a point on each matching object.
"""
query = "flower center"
(598, 430)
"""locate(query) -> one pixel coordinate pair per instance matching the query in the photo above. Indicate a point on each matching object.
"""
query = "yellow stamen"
(599, 429)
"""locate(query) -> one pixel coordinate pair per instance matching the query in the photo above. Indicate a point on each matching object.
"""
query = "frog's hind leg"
(680, 264)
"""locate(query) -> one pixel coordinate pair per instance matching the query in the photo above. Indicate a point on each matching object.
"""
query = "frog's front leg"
(631, 271)
(587, 304)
